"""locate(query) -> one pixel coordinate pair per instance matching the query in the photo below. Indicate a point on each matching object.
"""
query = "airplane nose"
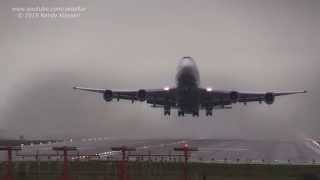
(187, 61)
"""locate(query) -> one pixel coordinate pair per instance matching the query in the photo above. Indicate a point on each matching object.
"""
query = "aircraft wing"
(152, 96)
(219, 97)
(268, 96)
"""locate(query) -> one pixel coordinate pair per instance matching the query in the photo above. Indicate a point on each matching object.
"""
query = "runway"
(305, 151)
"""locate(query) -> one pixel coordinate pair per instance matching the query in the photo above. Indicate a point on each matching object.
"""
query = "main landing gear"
(195, 113)
(209, 110)
(180, 113)
(209, 113)
(167, 110)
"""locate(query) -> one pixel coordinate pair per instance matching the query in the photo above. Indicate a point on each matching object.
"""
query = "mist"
(248, 45)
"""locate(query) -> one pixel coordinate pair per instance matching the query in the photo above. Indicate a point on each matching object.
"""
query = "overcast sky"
(250, 45)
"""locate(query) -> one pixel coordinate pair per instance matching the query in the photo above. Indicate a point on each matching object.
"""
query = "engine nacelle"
(107, 95)
(234, 96)
(142, 95)
(269, 98)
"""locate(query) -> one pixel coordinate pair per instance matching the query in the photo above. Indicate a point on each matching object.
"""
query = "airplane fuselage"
(187, 86)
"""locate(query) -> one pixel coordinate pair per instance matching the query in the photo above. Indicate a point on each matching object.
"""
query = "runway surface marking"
(223, 149)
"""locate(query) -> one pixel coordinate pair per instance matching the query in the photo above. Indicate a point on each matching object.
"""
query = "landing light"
(166, 88)
(209, 89)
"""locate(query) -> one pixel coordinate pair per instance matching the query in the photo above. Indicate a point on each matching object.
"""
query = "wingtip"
(305, 91)
(74, 87)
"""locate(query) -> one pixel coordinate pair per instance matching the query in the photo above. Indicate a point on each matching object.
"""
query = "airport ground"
(306, 151)
(229, 159)
(86, 170)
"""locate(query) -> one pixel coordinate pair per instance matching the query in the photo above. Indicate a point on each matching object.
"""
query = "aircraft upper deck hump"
(186, 61)
(187, 72)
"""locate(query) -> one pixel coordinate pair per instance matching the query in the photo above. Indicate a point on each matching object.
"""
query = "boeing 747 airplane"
(188, 97)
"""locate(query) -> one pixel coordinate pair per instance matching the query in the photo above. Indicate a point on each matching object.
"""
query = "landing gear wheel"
(167, 110)
(195, 113)
(180, 113)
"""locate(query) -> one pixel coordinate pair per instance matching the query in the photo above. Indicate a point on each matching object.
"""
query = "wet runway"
(210, 150)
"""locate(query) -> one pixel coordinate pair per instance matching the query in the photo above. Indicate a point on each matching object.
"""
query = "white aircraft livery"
(188, 97)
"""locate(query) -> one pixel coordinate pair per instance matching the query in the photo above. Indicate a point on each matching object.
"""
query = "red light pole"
(186, 153)
(123, 169)
(65, 149)
(9, 149)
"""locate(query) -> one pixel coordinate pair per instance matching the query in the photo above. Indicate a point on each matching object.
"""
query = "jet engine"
(107, 95)
(142, 95)
(269, 98)
(234, 96)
